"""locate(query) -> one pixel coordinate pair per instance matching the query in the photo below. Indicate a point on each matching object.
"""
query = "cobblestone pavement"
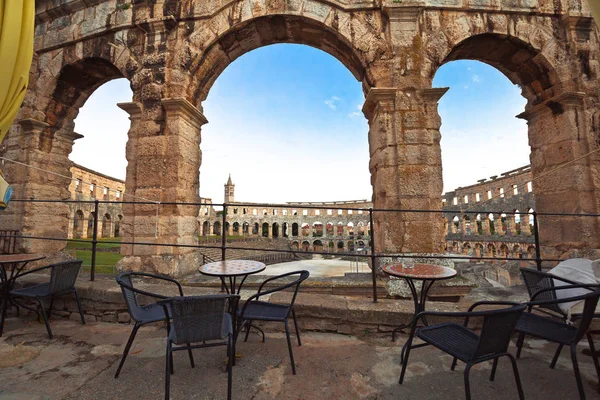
(80, 363)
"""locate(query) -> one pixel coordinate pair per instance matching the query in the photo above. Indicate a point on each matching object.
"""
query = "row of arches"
(330, 246)
(83, 227)
(492, 250)
(286, 229)
(502, 224)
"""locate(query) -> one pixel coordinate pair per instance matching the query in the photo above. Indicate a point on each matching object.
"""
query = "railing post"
(373, 267)
(94, 242)
(536, 235)
(224, 233)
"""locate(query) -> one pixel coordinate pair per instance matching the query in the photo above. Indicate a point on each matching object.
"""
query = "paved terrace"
(80, 363)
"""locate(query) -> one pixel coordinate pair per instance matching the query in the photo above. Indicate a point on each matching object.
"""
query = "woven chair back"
(535, 281)
(63, 276)
(496, 330)
(125, 281)
(200, 318)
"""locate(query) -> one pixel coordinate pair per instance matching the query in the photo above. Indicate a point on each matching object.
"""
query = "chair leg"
(594, 355)
(3, 314)
(517, 377)
(296, 326)
(171, 360)
(127, 348)
(289, 342)
(248, 326)
(556, 355)
(168, 372)
(230, 356)
(43, 312)
(493, 373)
(404, 358)
(576, 371)
(50, 308)
(520, 344)
(79, 307)
(467, 385)
(454, 360)
(189, 349)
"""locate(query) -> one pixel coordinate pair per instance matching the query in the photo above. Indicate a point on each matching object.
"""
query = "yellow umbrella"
(17, 22)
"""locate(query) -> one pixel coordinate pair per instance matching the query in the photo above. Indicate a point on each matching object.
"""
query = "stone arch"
(516, 251)
(255, 228)
(275, 230)
(78, 225)
(90, 225)
(206, 228)
(264, 232)
(491, 250)
(317, 228)
(340, 246)
(118, 225)
(317, 246)
(518, 58)
(237, 228)
(306, 245)
(217, 228)
(295, 245)
(305, 228)
(295, 229)
(236, 33)
(106, 225)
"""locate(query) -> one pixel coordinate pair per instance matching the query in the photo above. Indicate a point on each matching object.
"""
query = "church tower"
(229, 188)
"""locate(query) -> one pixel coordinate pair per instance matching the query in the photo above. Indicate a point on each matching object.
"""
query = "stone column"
(269, 231)
(485, 226)
(498, 229)
(463, 226)
(406, 169)
(511, 226)
(45, 152)
(560, 132)
(526, 229)
(230, 229)
(163, 154)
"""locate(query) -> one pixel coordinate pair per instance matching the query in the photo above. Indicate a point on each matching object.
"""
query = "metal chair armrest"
(589, 286)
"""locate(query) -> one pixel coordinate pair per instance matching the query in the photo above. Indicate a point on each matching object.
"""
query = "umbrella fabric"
(17, 21)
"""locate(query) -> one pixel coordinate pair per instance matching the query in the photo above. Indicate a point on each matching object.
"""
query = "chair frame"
(169, 370)
(591, 301)
(290, 310)
(470, 362)
(139, 324)
(40, 307)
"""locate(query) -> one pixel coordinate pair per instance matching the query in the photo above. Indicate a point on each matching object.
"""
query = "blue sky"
(285, 121)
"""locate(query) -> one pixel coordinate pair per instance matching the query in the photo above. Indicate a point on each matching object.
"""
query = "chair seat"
(454, 339)
(262, 311)
(546, 328)
(41, 290)
(226, 329)
(150, 313)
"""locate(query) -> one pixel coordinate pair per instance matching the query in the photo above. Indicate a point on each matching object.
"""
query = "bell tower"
(229, 188)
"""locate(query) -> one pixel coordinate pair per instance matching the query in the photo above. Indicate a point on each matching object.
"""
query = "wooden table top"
(19, 258)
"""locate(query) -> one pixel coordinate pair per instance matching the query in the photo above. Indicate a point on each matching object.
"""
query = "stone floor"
(80, 362)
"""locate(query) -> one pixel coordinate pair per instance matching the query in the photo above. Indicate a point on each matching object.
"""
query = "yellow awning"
(17, 22)
(595, 7)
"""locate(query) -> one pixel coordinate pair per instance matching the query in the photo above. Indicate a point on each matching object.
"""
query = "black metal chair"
(199, 319)
(141, 314)
(62, 281)
(256, 310)
(560, 332)
(463, 344)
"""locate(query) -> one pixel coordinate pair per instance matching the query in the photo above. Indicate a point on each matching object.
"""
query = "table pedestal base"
(419, 301)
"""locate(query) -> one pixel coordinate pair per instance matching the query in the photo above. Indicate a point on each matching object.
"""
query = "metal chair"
(62, 281)
(199, 319)
(464, 344)
(256, 310)
(141, 314)
(556, 331)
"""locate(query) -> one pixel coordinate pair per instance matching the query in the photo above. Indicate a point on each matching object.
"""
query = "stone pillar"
(463, 226)
(230, 229)
(45, 152)
(560, 132)
(511, 226)
(485, 226)
(406, 168)
(526, 228)
(163, 154)
(269, 231)
(498, 229)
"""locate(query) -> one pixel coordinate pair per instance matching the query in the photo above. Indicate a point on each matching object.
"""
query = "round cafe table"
(11, 266)
(232, 269)
(427, 273)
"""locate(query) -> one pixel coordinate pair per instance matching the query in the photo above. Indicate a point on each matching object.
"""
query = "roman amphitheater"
(335, 226)
(172, 52)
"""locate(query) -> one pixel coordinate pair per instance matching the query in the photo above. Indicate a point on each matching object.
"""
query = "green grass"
(88, 244)
(102, 258)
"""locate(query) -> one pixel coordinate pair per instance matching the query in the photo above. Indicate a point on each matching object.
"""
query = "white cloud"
(331, 102)
(476, 78)
(354, 114)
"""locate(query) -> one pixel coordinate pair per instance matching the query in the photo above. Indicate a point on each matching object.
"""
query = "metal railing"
(373, 252)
